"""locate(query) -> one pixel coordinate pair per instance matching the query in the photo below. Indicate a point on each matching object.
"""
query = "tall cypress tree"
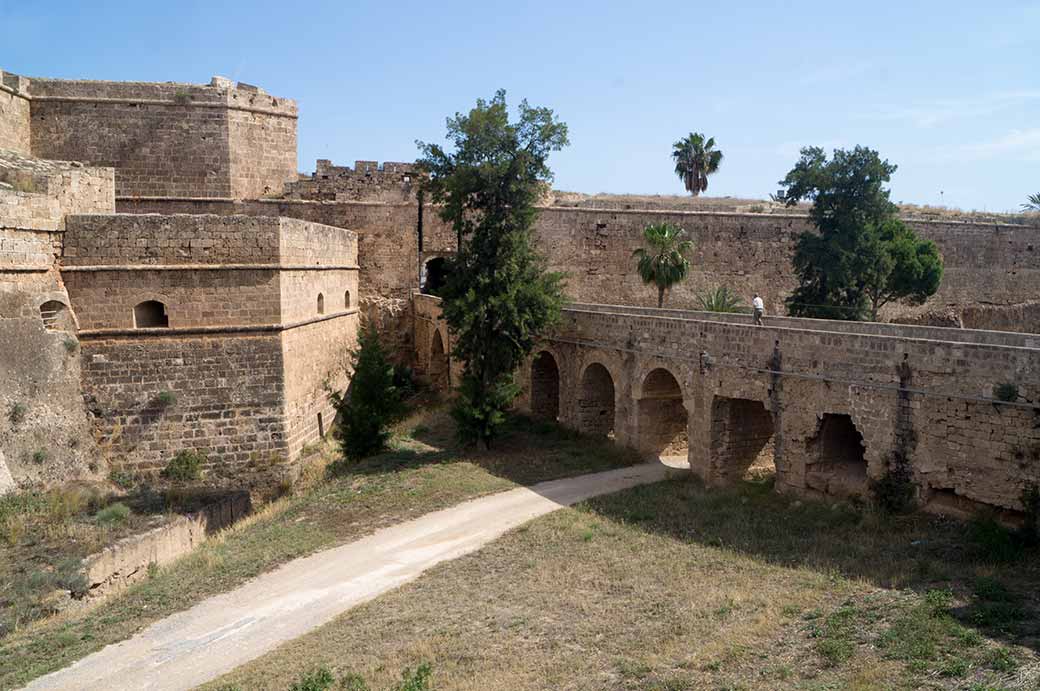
(499, 296)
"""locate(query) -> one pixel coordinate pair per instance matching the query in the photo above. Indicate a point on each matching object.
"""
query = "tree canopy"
(499, 298)
(1032, 203)
(695, 159)
(863, 257)
(663, 262)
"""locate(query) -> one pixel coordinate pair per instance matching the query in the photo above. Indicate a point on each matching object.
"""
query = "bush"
(165, 399)
(371, 403)
(721, 299)
(16, 414)
(994, 542)
(122, 479)
(39, 456)
(320, 679)
(895, 492)
(1007, 392)
(113, 514)
(419, 680)
(186, 466)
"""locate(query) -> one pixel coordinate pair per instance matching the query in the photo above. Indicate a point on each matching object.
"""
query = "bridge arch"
(662, 421)
(439, 363)
(545, 386)
(742, 436)
(597, 402)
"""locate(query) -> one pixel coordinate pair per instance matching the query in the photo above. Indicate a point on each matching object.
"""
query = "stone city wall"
(169, 140)
(14, 113)
(368, 181)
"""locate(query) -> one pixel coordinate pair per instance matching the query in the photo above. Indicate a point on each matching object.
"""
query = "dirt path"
(225, 631)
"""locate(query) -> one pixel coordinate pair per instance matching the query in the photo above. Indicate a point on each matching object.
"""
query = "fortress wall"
(177, 140)
(14, 113)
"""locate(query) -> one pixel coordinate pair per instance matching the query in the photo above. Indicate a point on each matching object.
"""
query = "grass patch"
(420, 474)
(676, 586)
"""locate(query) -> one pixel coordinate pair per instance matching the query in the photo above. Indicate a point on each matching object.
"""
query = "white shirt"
(758, 304)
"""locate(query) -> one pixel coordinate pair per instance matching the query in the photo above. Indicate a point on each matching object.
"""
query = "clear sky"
(949, 91)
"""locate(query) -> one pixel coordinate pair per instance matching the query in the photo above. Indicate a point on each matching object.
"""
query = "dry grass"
(425, 471)
(673, 586)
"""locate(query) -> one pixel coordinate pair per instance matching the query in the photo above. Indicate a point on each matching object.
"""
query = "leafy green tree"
(498, 297)
(371, 403)
(663, 262)
(1032, 203)
(899, 266)
(695, 159)
(721, 299)
(849, 268)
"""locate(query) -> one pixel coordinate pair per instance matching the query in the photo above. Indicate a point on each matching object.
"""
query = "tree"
(1032, 203)
(721, 299)
(899, 266)
(850, 253)
(663, 261)
(695, 159)
(372, 402)
(498, 298)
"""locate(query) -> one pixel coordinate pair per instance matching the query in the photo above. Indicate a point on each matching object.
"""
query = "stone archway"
(440, 364)
(741, 438)
(836, 464)
(545, 387)
(662, 418)
(596, 407)
(434, 275)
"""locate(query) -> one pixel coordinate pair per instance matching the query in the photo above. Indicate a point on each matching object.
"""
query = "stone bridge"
(828, 405)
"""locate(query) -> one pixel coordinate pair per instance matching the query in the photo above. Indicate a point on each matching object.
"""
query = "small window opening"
(346, 299)
(321, 426)
(151, 314)
(321, 304)
(55, 315)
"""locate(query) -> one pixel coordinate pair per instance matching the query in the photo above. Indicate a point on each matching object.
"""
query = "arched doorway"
(545, 387)
(662, 416)
(741, 439)
(434, 274)
(439, 364)
(56, 317)
(837, 465)
(596, 405)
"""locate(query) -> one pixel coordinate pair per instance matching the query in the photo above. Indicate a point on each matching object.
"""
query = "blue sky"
(949, 91)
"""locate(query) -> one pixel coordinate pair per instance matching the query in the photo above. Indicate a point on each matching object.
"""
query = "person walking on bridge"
(759, 307)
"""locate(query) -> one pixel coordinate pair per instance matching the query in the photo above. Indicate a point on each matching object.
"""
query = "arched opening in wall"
(741, 439)
(434, 274)
(321, 304)
(56, 316)
(835, 464)
(346, 299)
(661, 415)
(596, 405)
(151, 314)
(439, 363)
(545, 387)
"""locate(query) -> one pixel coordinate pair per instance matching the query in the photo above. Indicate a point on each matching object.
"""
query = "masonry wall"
(169, 140)
(14, 113)
(908, 395)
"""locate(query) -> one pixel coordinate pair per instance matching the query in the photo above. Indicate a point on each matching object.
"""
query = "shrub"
(113, 514)
(1007, 392)
(895, 492)
(71, 344)
(371, 403)
(419, 680)
(993, 541)
(165, 399)
(721, 299)
(320, 679)
(39, 456)
(186, 466)
(16, 414)
(122, 479)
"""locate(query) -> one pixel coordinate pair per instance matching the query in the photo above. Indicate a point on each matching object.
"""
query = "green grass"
(423, 473)
(678, 586)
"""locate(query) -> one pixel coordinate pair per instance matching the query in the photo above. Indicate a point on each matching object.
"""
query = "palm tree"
(663, 261)
(721, 299)
(695, 160)
(1033, 203)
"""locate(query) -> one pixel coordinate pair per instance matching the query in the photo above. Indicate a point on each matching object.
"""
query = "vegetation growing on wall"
(499, 297)
(863, 256)
(721, 299)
